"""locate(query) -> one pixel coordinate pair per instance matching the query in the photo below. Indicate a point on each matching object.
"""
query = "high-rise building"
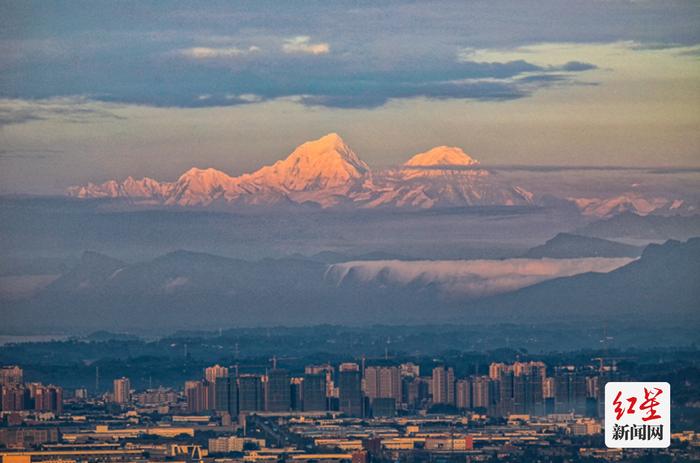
(217, 371)
(527, 393)
(481, 388)
(222, 394)
(297, 393)
(328, 372)
(250, 393)
(463, 394)
(382, 382)
(520, 387)
(197, 395)
(569, 391)
(233, 397)
(278, 391)
(314, 392)
(443, 385)
(48, 399)
(14, 397)
(506, 396)
(122, 390)
(416, 391)
(350, 390)
(11, 374)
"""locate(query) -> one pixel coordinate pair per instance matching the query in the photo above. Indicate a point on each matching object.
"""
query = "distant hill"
(662, 283)
(570, 246)
(188, 290)
(654, 227)
(93, 269)
(184, 272)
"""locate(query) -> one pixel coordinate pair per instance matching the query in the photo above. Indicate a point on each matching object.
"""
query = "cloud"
(515, 51)
(467, 279)
(77, 110)
(245, 98)
(302, 44)
(576, 66)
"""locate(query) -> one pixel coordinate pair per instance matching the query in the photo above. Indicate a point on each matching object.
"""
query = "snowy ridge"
(327, 173)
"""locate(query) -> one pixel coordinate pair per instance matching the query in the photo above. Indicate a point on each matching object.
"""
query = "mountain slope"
(662, 283)
(92, 269)
(569, 246)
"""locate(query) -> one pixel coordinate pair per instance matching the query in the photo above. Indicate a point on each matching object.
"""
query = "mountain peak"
(196, 172)
(442, 156)
(205, 179)
(323, 163)
(330, 139)
(330, 145)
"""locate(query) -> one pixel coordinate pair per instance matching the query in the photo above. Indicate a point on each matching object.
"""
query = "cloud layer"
(73, 110)
(467, 279)
(339, 56)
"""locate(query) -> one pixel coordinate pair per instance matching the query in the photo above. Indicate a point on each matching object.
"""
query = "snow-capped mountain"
(328, 173)
(326, 163)
(130, 188)
(631, 202)
(443, 177)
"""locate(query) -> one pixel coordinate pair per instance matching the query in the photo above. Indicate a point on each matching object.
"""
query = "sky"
(96, 90)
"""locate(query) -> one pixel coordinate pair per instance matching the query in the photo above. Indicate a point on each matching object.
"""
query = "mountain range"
(201, 290)
(327, 173)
